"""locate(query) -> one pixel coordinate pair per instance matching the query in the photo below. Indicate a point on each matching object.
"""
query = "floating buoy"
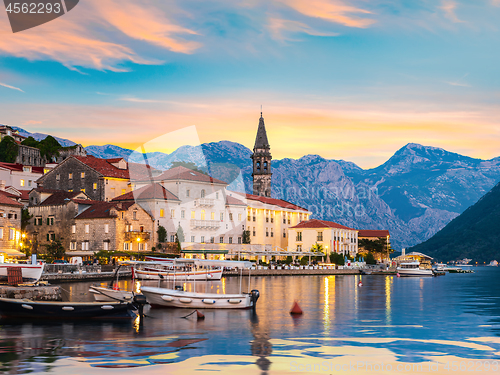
(398, 275)
(199, 315)
(296, 310)
(360, 283)
(115, 287)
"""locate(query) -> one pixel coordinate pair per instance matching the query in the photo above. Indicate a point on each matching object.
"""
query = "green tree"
(178, 242)
(54, 250)
(246, 237)
(180, 234)
(288, 259)
(370, 259)
(162, 234)
(336, 258)
(49, 147)
(31, 142)
(25, 218)
(304, 260)
(8, 150)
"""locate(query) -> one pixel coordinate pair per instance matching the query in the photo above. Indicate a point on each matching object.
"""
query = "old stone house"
(10, 225)
(100, 179)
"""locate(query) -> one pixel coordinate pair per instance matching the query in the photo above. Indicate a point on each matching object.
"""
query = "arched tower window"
(265, 165)
(258, 165)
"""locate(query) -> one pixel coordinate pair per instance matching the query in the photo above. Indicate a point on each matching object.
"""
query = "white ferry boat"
(414, 268)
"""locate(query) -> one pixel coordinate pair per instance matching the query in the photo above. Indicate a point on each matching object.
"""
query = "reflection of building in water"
(260, 345)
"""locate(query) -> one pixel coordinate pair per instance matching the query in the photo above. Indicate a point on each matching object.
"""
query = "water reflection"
(260, 345)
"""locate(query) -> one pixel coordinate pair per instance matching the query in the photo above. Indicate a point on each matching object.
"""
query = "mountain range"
(414, 194)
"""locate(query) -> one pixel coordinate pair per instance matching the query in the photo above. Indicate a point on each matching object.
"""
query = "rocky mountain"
(39, 136)
(108, 151)
(474, 234)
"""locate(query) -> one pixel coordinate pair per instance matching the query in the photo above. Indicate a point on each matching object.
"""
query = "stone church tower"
(261, 162)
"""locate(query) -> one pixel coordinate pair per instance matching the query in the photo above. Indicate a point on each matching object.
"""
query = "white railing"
(205, 224)
(204, 202)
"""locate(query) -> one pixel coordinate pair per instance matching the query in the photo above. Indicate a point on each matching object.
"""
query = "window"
(26, 169)
(70, 190)
(267, 232)
(82, 175)
(85, 245)
(192, 238)
(50, 221)
(95, 185)
(211, 240)
(183, 214)
(289, 220)
(299, 236)
(230, 217)
(29, 182)
(203, 193)
(216, 195)
(124, 191)
(239, 240)
(267, 219)
(272, 219)
(87, 228)
(11, 234)
(299, 247)
(249, 218)
(253, 232)
(239, 217)
(39, 221)
(172, 214)
(70, 176)
(284, 234)
(221, 239)
(162, 212)
(134, 215)
(72, 245)
(1, 233)
(125, 246)
(187, 193)
(82, 190)
(58, 177)
(284, 220)
(258, 165)
(22, 182)
(202, 239)
(48, 237)
(172, 238)
(212, 216)
(193, 215)
(106, 228)
(320, 236)
(53, 236)
(105, 245)
(202, 214)
(272, 234)
(221, 216)
(254, 218)
(230, 239)
(265, 165)
(73, 228)
(141, 246)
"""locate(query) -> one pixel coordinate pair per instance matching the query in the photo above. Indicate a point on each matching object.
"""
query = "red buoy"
(360, 283)
(296, 310)
(199, 315)
(115, 287)
(398, 275)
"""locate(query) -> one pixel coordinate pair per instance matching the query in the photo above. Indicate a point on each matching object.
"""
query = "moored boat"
(151, 274)
(414, 269)
(30, 272)
(102, 294)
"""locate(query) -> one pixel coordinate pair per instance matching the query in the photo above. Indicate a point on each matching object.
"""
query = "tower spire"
(261, 162)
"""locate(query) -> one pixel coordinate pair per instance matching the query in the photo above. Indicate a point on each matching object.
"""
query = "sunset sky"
(353, 80)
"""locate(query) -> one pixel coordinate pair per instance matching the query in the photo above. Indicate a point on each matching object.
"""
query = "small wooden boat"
(27, 309)
(102, 294)
(151, 274)
(31, 273)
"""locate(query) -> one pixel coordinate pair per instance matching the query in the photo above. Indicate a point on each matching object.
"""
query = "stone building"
(111, 226)
(100, 179)
(10, 225)
(333, 237)
(53, 215)
(261, 162)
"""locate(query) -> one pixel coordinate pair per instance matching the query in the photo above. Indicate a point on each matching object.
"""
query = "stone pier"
(37, 293)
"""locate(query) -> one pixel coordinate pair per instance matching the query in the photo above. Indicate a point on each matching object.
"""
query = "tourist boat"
(493, 263)
(175, 269)
(414, 269)
(11, 308)
(178, 297)
(31, 273)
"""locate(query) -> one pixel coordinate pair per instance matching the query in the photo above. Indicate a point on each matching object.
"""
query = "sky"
(345, 79)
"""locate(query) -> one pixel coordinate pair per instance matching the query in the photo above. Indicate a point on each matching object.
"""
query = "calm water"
(448, 324)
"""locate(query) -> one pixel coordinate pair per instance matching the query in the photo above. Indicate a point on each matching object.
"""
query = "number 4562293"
(33, 8)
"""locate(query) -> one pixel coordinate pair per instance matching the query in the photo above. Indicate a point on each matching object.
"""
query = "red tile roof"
(276, 202)
(6, 201)
(373, 233)
(114, 160)
(25, 194)
(183, 173)
(19, 167)
(101, 210)
(231, 201)
(315, 223)
(59, 198)
(103, 167)
(153, 191)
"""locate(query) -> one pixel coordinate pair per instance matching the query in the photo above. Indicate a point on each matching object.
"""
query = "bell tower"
(261, 162)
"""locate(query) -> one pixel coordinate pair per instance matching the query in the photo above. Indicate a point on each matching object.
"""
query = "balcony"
(134, 235)
(203, 202)
(205, 224)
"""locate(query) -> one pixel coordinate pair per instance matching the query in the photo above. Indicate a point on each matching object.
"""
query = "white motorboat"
(414, 268)
(175, 269)
(150, 274)
(102, 294)
(177, 297)
(30, 272)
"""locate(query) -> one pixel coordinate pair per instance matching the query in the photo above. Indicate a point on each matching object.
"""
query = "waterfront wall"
(37, 293)
(294, 272)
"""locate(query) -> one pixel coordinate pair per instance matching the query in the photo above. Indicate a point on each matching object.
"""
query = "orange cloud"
(84, 37)
(449, 7)
(330, 10)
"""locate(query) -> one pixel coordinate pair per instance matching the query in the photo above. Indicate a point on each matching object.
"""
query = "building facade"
(332, 237)
(20, 177)
(10, 225)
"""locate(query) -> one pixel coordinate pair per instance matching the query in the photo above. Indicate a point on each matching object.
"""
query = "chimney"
(2, 185)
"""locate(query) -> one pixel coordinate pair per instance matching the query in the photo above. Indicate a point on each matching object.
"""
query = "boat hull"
(163, 297)
(30, 272)
(26, 309)
(169, 275)
(414, 272)
(102, 294)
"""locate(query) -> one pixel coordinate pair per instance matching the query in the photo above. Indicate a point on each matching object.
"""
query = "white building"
(20, 177)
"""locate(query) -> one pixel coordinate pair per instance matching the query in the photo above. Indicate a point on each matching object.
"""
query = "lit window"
(172, 214)
(22, 182)
(70, 190)
(202, 215)
(70, 176)
(82, 190)
(124, 191)
(125, 246)
(162, 212)
(239, 217)
(230, 217)
(212, 216)
(95, 185)
(193, 215)
(82, 175)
